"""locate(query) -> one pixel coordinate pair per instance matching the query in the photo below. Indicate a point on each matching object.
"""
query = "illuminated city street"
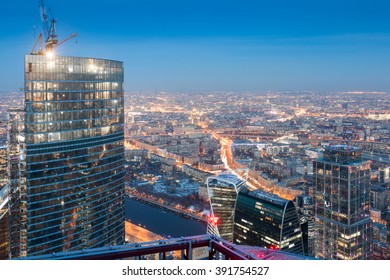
(135, 233)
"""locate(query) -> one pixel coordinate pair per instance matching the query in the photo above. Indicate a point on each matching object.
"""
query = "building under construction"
(66, 152)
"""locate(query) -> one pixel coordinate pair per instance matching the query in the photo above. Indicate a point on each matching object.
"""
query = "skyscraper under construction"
(67, 188)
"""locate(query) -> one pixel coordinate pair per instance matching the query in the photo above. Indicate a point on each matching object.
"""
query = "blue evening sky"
(180, 45)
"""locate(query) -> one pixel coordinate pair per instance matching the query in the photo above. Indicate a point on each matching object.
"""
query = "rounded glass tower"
(74, 154)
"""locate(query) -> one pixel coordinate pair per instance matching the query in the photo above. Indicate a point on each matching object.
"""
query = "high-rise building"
(72, 169)
(342, 204)
(222, 191)
(378, 198)
(266, 220)
(304, 204)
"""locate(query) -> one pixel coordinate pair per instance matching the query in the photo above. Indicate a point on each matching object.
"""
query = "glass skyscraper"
(341, 204)
(223, 190)
(266, 220)
(74, 155)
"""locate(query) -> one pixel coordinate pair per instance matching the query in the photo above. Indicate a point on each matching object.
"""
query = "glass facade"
(4, 234)
(341, 202)
(74, 153)
(17, 203)
(268, 221)
(222, 192)
(304, 204)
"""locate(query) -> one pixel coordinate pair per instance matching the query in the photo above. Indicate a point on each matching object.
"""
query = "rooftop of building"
(185, 244)
(265, 196)
(342, 154)
(44, 57)
(228, 177)
(342, 147)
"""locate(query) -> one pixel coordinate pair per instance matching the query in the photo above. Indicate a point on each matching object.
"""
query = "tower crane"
(49, 33)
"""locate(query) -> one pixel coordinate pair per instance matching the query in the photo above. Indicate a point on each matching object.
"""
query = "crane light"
(50, 54)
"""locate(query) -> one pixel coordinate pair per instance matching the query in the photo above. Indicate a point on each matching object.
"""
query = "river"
(160, 220)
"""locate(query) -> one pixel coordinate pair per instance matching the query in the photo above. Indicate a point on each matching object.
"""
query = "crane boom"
(39, 39)
(66, 39)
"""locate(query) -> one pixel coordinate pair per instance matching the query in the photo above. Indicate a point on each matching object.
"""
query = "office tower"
(341, 204)
(265, 220)
(73, 195)
(378, 198)
(222, 191)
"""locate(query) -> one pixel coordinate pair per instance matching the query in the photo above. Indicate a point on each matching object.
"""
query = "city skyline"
(266, 125)
(200, 46)
(174, 143)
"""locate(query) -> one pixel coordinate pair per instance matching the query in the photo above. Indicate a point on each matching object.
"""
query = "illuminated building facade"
(4, 235)
(17, 188)
(74, 156)
(222, 191)
(266, 220)
(304, 204)
(4, 231)
(341, 182)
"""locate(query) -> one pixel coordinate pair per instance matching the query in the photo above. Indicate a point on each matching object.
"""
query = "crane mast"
(49, 32)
